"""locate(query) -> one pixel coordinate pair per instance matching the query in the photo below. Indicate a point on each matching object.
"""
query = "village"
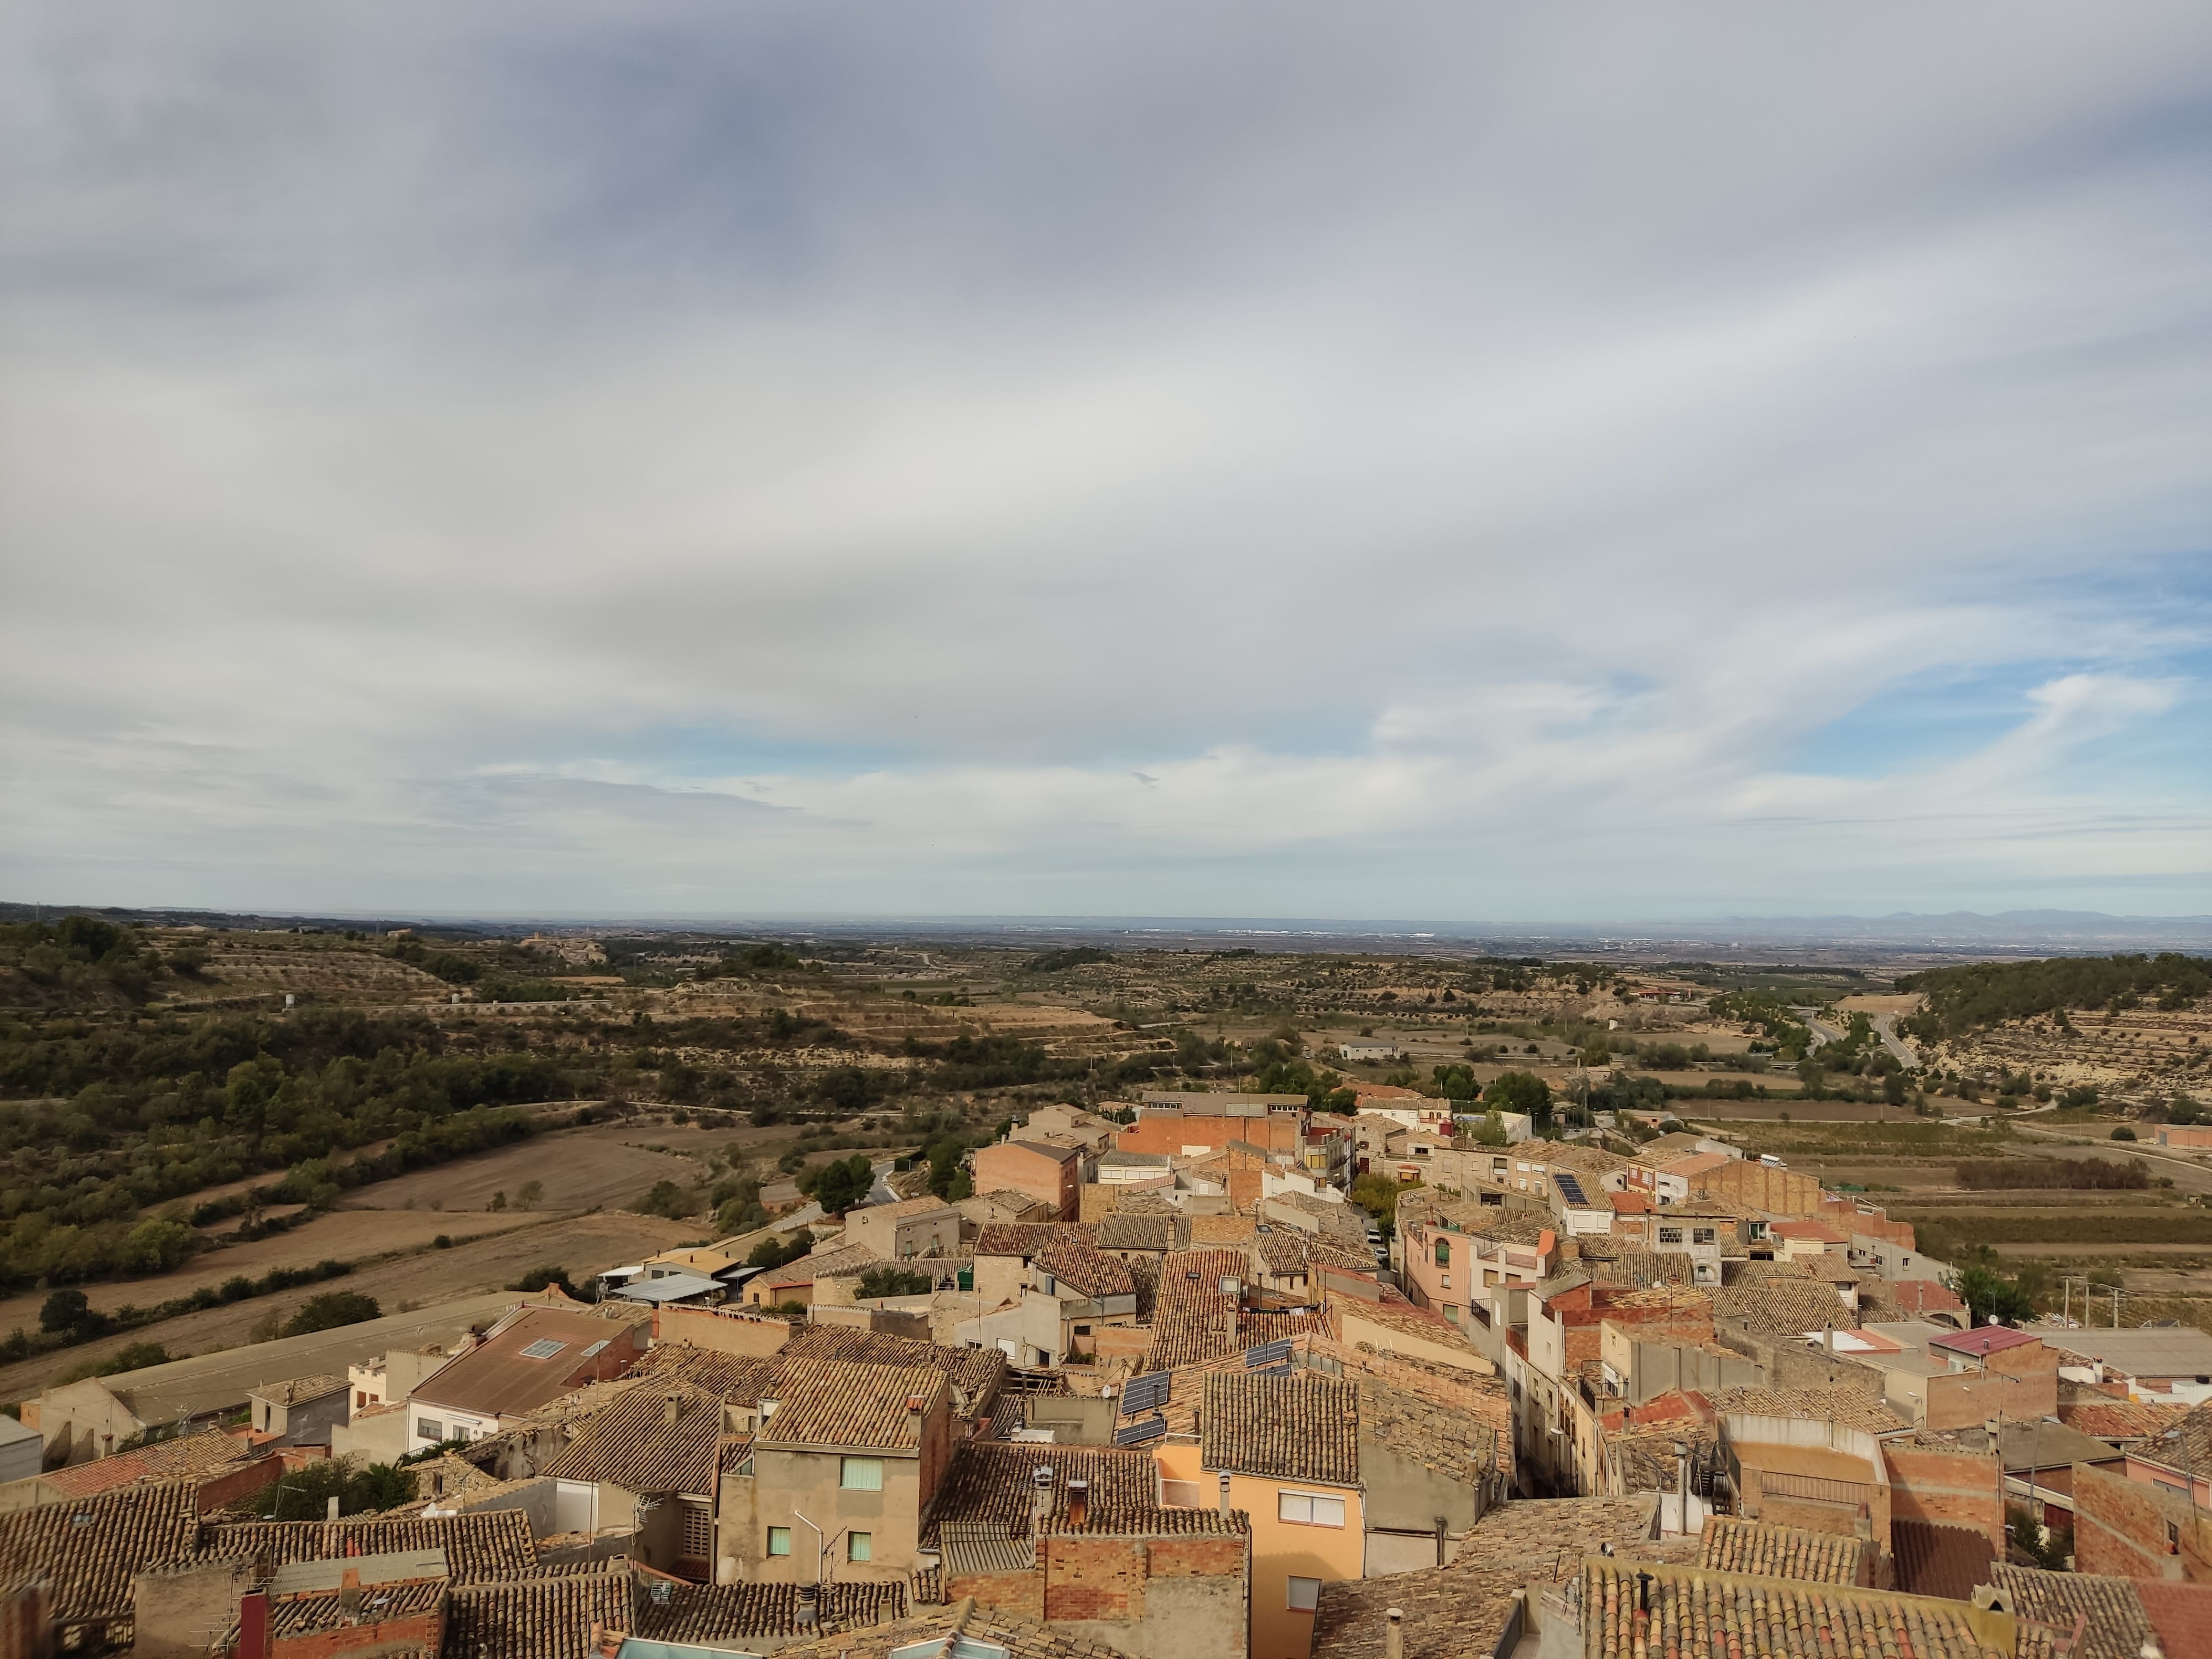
(1156, 1389)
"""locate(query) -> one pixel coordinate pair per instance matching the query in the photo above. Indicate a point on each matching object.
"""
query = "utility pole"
(2066, 1302)
(2116, 1307)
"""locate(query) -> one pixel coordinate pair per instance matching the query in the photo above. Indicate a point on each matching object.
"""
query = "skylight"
(544, 1348)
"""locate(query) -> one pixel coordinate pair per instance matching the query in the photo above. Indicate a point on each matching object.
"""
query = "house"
(1037, 1168)
(22, 1451)
(1077, 1536)
(1071, 1292)
(528, 1360)
(299, 1413)
(1285, 1451)
(1135, 1169)
(912, 1228)
(845, 1461)
(649, 1460)
(1795, 1239)
(1072, 1123)
(1370, 1051)
(1469, 1606)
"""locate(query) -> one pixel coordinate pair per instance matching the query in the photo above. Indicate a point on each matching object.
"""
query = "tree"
(773, 1252)
(1521, 1091)
(892, 1281)
(839, 1185)
(665, 1198)
(65, 1310)
(528, 1195)
(1377, 1194)
(331, 1310)
(1987, 1296)
(539, 1278)
(1455, 1082)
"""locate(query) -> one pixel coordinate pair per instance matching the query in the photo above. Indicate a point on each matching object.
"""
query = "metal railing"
(1813, 1487)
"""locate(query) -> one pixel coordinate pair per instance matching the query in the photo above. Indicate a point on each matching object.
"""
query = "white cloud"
(1441, 468)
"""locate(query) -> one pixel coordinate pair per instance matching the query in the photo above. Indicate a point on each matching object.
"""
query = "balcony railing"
(1814, 1488)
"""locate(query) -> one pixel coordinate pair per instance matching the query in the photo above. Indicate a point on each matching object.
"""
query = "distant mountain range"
(2009, 933)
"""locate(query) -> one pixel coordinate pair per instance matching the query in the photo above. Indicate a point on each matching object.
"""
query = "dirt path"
(583, 1244)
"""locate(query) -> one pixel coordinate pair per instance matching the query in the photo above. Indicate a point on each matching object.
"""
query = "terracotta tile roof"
(1128, 1230)
(716, 1614)
(928, 1204)
(2116, 1419)
(1854, 1407)
(976, 1374)
(823, 1264)
(2181, 1614)
(736, 1378)
(1021, 1238)
(2119, 1623)
(835, 1402)
(990, 1487)
(547, 1617)
(1754, 1271)
(1984, 1340)
(1778, 1552)
(300, 1390)
(1459, 1610)
(1221, 1230)
(480, 1548)
(1074, 1262)
(1299, 1427)
(1460, 1444)
(316, 1611)
(1697, 1609)
(1021, 1639)
(187, 1457)
(1611, 1262)
(1781, 1306)
(88, 1549)
(1935, 1559)
(630, 1443)
(1922, 1295)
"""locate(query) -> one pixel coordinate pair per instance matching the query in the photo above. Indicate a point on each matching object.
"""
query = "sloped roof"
(87, 1549)
(190, 1456)
(2118, 1624)
(1935, 1559)
(714, 1615)
(547, 1616)
(991, 1486)
(483, 1547)
(499, 1377)
(1746, 1546)
(1020, 1638)
(1789, 1618)
(300, 1389)
(1074, 1262)
(834, 1403)
(976, 1373)
(1299, 1427)
(629, 1442)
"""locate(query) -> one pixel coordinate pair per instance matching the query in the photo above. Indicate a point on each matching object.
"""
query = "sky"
(1479, 463)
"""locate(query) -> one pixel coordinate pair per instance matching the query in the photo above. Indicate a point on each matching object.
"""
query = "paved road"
(1822, 1031)
(1885, 1027)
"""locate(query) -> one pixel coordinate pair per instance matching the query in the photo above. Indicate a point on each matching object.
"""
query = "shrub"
(2123, 1133)
(331, 1310)
(892, 1281)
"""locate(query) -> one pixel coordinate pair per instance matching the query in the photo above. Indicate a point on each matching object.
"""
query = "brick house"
(1037, 1169)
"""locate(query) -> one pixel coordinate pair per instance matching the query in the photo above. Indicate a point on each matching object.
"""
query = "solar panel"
(544, 1348)
(1145, 1394)
(1569, 1189)
(1267, 1353)
(1148, 1428)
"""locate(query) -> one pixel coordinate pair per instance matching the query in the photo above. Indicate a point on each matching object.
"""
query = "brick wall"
(1091, 1578)
(226, 1489)
(1957, 1488)
(2136, 1529)
(427, 1630)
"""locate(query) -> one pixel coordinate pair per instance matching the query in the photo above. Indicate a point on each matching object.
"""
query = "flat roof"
(2168, 1351)
(1821, 1462)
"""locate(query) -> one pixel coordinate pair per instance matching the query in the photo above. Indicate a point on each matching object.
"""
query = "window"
(779, 1541)
(1444, 1253)
(429, 1428)
(1671, 1235)
(698, 1530)
(1302, 1595)
(1308, 1509)
(1701, 1234)
(859, 1547)
(860, 1473)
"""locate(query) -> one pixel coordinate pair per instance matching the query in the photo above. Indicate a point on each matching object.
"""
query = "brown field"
(1798, 1111)
(583, 1244)
(341, 1236)
(580, 1171)
(1867, 1002)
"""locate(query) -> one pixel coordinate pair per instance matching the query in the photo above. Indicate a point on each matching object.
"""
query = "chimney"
(1079, 1502)
(1224, 1492)
(671, 1407)
(1394, 1634)
(806, 1605)
(253, 1624)
(915, 1404)
(1040, 1496)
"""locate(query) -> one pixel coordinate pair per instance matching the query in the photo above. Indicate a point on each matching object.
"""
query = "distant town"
(398, 1290)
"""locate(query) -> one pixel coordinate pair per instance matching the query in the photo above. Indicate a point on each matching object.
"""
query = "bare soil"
(580, 1170)
(341, 1236)
(583, 1244)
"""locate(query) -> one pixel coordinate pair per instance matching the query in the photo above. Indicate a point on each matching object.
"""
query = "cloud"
(1443, 468)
